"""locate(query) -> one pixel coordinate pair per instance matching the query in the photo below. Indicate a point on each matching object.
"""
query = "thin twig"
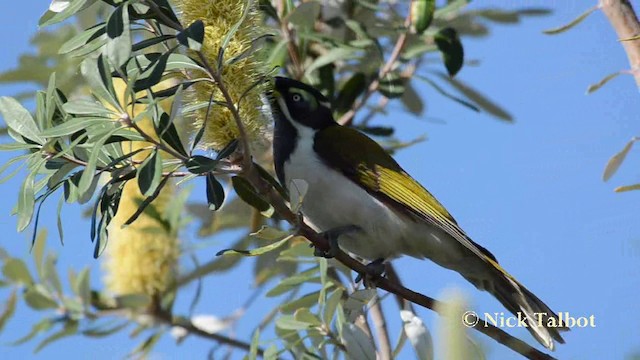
(382, 333)
(292, 48)
(625, 22)
(348, 117)
(192, 329)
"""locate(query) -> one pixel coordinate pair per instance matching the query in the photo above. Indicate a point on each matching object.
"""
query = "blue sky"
(530, 191)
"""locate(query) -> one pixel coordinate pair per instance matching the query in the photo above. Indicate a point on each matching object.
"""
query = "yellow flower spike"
(142, 257)
(219, 17)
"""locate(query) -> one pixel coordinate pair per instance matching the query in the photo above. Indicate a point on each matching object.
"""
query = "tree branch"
(625, 22)
(322, 243)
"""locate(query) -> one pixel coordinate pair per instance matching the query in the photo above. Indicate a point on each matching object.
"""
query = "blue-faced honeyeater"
(353, 183)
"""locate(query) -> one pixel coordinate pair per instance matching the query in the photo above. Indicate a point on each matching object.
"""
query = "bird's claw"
(373, 271)
(332, 236)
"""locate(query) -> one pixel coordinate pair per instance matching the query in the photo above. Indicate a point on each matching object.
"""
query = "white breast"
(333, 200)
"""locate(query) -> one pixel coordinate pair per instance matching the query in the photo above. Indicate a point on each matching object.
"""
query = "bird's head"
(301, 104)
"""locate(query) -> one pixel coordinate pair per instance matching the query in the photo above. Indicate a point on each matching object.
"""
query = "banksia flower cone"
(142, 257)
(219, 17)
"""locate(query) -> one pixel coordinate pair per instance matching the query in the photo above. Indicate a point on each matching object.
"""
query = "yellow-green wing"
(366, 163)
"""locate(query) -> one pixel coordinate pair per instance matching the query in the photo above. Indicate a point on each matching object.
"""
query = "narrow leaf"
(150, 174)
(248, 194)
(193, 36)
(422, 14)
(573, 23)
(616, 160)
(594, 87)
(215, 192)
(450, 46)
(199, 164)
(258, 251)
(627, 188)
(19, 119)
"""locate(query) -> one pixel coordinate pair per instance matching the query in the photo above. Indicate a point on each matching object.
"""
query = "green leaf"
(349, 92)
(37, 250)
(229, 149)
(150, 42)
(573, 23)
(331, 305)
(74, 125)
(19, 119)
(257, 251)
(88, 173)
(51, 17)
(82, 286)
(97, 74)
(288, 322)
(392, 85)
(9, 309)
(215, 192)
(86, 107)
(133, 301)
(265, 175)
(305, 315)
(41, 326)
(305, 14)
(422, 14)
(411, 100)
(147, 201)
(446, 94)
(26, 201)
(594, 87)
(39, 298)
(357, 343)
(82, 39)
(193, 36)
(255, 341)
(51, 273)
(104, 331)
(482, 101)
(16, 271)
(298, 191)
(616, 160)
(450, 46)
(150, 174)
(199, 164)
(152, 74)
(169, 134)
(248, 194)
(70, 328)
(330, 57)
(300, 302)
(17, 146)
(627, 188)
(293, 282)
(118, 47)
(269, 233)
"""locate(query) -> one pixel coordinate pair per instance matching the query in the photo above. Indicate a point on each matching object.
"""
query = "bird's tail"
(541, 321)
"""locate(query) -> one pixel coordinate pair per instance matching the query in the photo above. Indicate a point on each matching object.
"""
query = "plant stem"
(624, 21)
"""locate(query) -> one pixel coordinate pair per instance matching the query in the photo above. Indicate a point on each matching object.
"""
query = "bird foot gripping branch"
(374, 270)
(332, 236)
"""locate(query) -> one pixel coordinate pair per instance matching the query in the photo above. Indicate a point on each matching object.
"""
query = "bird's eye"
(296, 97)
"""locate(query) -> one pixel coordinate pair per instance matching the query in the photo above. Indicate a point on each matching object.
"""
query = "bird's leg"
(373, 270)
(332, 236)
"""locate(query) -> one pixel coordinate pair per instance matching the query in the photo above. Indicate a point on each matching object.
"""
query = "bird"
(374, 209)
